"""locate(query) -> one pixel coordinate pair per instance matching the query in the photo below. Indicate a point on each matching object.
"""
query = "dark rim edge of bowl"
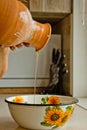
(27, 104)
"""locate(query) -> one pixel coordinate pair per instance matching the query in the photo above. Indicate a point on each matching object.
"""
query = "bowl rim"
(28, 104)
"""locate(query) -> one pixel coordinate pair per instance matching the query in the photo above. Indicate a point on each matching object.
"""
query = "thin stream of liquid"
(36, 67)
(83, 15)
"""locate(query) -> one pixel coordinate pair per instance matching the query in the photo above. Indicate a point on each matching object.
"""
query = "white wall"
(79, 50)
(21, 69)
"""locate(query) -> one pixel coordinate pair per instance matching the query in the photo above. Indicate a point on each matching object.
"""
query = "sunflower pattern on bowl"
(55, 116)
(45, 100)
(50, 100)
(18, 99)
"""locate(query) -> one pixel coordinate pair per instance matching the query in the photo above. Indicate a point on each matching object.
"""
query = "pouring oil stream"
(35, 80)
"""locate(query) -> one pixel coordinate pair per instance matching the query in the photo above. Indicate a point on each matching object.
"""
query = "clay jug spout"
(40, 35)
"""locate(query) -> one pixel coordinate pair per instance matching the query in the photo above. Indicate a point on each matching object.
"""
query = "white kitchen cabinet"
(79, 88)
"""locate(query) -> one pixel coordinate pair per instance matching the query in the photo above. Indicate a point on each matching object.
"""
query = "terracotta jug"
(17, 26)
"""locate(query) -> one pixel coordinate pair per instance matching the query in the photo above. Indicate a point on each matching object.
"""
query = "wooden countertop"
(78, 120)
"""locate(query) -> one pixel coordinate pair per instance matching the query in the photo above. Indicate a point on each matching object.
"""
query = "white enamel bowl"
(36, 114)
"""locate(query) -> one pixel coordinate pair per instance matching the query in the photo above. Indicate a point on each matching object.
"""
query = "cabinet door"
(80, 48)
(36, 5)
(55, 6)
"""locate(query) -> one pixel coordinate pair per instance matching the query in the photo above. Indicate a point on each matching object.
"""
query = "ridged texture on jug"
(17, 25)
(41, 35)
